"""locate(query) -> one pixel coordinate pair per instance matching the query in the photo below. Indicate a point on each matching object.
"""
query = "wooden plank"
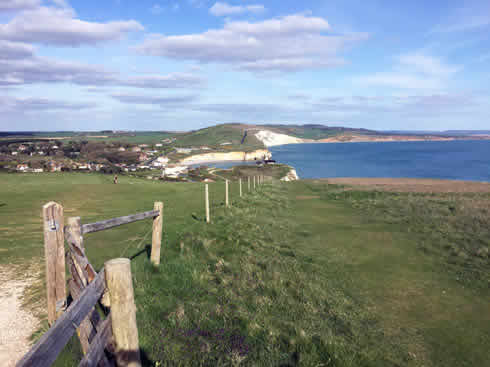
(114, 222)
(85, 332)
(90, 327)
(240, 181)
(73, 235)
(156, 238)
(98, 344)
(248, 183)
(54, 254)
(206, 201)
(123, 312)
(47, 349)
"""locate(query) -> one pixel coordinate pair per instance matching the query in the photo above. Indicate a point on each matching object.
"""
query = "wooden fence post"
(123, 312)
(206, 199)
(254, 182)
(54, 253)
(249, 183)
(156, 239)
(227, 202)
(240, 182)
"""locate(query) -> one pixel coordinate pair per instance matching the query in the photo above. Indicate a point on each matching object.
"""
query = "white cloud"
(290, 43)
(171, 80)
(413, 71)
(59, 26)
(156, 9)
(427, 65)
(474, 15)
(15, 50)
(219, 9)
(11, 104)
(15, 5)
(154, 100)
(20, 66)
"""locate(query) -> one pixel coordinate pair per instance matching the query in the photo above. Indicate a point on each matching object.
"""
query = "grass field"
(295, 274)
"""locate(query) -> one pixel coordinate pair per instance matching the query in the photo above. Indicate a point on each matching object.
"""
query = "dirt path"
(16, 323)
(413, 184)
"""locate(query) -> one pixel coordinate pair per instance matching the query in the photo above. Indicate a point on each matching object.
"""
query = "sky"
(186, 64)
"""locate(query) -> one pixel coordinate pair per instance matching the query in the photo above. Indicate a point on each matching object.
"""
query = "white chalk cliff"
(270, 139)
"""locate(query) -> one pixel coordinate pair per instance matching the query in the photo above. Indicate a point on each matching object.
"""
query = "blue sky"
(187, 64)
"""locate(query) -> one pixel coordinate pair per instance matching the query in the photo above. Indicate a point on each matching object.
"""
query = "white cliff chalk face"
(271, 139)
(291, 176)
(227, 156)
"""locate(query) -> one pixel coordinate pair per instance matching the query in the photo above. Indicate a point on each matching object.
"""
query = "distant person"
(115, 179)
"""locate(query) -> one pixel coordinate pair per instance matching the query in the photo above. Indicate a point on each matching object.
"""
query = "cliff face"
(227, 156)
(291, 176)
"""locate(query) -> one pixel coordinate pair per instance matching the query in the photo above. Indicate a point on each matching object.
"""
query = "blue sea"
(455, 160)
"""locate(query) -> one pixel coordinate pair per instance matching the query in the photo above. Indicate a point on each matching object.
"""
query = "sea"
(454, 160)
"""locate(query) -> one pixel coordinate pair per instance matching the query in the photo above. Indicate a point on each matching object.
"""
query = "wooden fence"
(102, 312)
(259, 179)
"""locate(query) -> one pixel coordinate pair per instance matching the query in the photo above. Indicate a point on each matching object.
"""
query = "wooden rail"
(47, 349)
(109, 334)
(104, 340)
(114, 222)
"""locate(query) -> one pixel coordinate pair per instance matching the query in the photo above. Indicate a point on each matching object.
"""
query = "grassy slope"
(299, 274)
(318, 131)
(215, 135)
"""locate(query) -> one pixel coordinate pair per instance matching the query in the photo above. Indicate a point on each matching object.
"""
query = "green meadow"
(293, 274)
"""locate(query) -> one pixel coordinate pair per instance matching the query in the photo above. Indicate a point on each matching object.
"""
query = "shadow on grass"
(146, 250)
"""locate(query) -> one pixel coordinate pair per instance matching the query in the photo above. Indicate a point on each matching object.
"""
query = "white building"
(174, 172)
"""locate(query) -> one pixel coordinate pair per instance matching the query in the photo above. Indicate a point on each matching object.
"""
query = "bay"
(455, 160)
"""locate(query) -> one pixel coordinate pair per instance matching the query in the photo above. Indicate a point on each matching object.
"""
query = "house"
(136, 149)
(160, 161)
(37, 170)
(41, 152)
(22, 167)
(54, 166)
(95, 166)
(158, 145)
(55, 147)
(174, 171)
(142, 157)
(15, 153)
(22, 147)
(184, 150)
(122, 149)
(143, 145)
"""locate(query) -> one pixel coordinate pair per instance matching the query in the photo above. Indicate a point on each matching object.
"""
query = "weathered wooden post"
(240, 184)
(123, 312)
(249, 183)
(254, 182)
(156, 240)
(206, 199)
(54, 253)
(226, 194)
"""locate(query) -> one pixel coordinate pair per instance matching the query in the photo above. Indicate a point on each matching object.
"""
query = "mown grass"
(294, 274)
